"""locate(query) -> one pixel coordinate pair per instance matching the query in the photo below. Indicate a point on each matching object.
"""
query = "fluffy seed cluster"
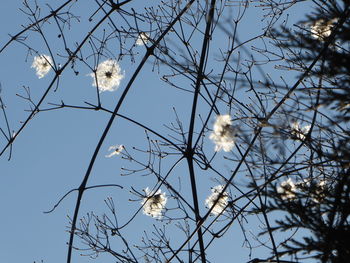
(298, 131)
(42, 65)
(108, 76)
(224, 134)
(287, 190)
(316, 189)
(319, 194)
(322, 29)
(313, 190)
(154, 203)
(142, 39)
(221, 201)
(116, 150)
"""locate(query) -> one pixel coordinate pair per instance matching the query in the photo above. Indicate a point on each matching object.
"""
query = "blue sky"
(51, 155)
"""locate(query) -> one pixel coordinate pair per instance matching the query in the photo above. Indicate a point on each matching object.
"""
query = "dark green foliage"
(319, 202)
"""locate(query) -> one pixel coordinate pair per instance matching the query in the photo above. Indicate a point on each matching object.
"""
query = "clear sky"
(51, 155)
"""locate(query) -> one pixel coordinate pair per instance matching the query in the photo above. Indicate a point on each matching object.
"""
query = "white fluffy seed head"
(322, 29)
(142, 39)
(108, 76)
(221, 201)
(154, 203)
(287, 190)
(223, 134)
(116, 150)
(42, 64)
(298, 131)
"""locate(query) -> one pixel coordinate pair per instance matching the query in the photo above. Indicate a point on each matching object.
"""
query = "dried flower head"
(222, 200)
(117, 149)
(154, 203)
(142, 39)
(108, 75)
(287, 190)
(224, 134)
(322, 29)
(298, 131)
(42, 65)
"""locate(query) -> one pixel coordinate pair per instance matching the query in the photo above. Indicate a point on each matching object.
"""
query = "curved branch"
(110, 122)
(76, 189)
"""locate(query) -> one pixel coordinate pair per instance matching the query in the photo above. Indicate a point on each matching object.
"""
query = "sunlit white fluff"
(142, 39)
(42, 65)
(222, 201)
(116, 150)
(320, 191)
(154, 203)
(287, 189)
(316, 190)
(298, 131)
(223, 134)
(108, 75)
(322, 29)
